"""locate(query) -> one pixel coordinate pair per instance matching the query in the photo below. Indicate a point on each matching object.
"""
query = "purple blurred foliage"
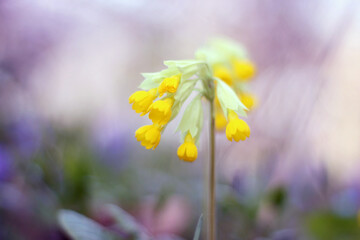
(55, 234)
(346, 201)
(238, 184)
(167, 237)
(27, 32)
(308, 189)
(110, 142)
(6, 165)
(284, 234)
(25, 136)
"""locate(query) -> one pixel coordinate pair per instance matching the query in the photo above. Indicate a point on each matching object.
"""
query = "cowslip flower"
(218, 74)
(188, 151)
(141, 100)
(169, 84)
(160, 111)
(236, 129)
(243, 69)
(149, 136)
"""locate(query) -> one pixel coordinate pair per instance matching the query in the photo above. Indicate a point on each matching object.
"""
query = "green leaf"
(80, 227)
(228, 99)
(192, 119)
(198, 228)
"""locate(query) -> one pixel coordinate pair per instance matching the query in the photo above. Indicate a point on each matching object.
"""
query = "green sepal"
(188, 68)
(211, 56)
(228, 99)
(242, 87)
(192, 120)
(182, 63)
(184, 90)
(153, 80)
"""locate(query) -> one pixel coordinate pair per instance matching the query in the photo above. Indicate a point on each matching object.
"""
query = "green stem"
(211, 184)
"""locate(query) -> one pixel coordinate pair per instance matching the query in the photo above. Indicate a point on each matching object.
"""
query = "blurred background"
(67, 140)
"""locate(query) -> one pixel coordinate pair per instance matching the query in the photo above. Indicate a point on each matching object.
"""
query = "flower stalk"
(212, 178)
(210, 173)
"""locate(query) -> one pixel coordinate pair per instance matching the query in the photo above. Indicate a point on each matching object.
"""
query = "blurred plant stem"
(209, 173)
(211, 223)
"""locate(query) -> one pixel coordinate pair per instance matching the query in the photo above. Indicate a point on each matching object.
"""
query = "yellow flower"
(149, 136)
(220, 121)
(223, 73)
(236, 129)
(244, 70)
(188, 151)
(160, 111)
(249, 100)
(169, 84)
(141, 100)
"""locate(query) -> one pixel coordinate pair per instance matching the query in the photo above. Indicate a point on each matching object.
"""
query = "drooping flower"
(236, 129)
(249, 100)
(243, 69)
(223, 73)
(160, 111)
(188, 151)
(141, 100)
(149, 136)
(169, 84)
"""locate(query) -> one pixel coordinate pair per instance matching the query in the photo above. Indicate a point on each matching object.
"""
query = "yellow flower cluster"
(235, 75)
(141, 100)
(239, 72)
(219, 72)
(159, 111)
(230, 66)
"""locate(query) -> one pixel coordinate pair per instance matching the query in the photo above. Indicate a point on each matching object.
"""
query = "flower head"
(243, 69)
(236, 129)
(188, 151)
(149, 136)
(169, 84)
(210, 76)
(141, 100)
(160, 111)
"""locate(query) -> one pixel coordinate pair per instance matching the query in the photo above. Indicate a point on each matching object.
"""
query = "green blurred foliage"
(329, 226)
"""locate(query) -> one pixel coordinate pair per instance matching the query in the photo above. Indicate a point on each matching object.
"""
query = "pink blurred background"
(76, 63)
